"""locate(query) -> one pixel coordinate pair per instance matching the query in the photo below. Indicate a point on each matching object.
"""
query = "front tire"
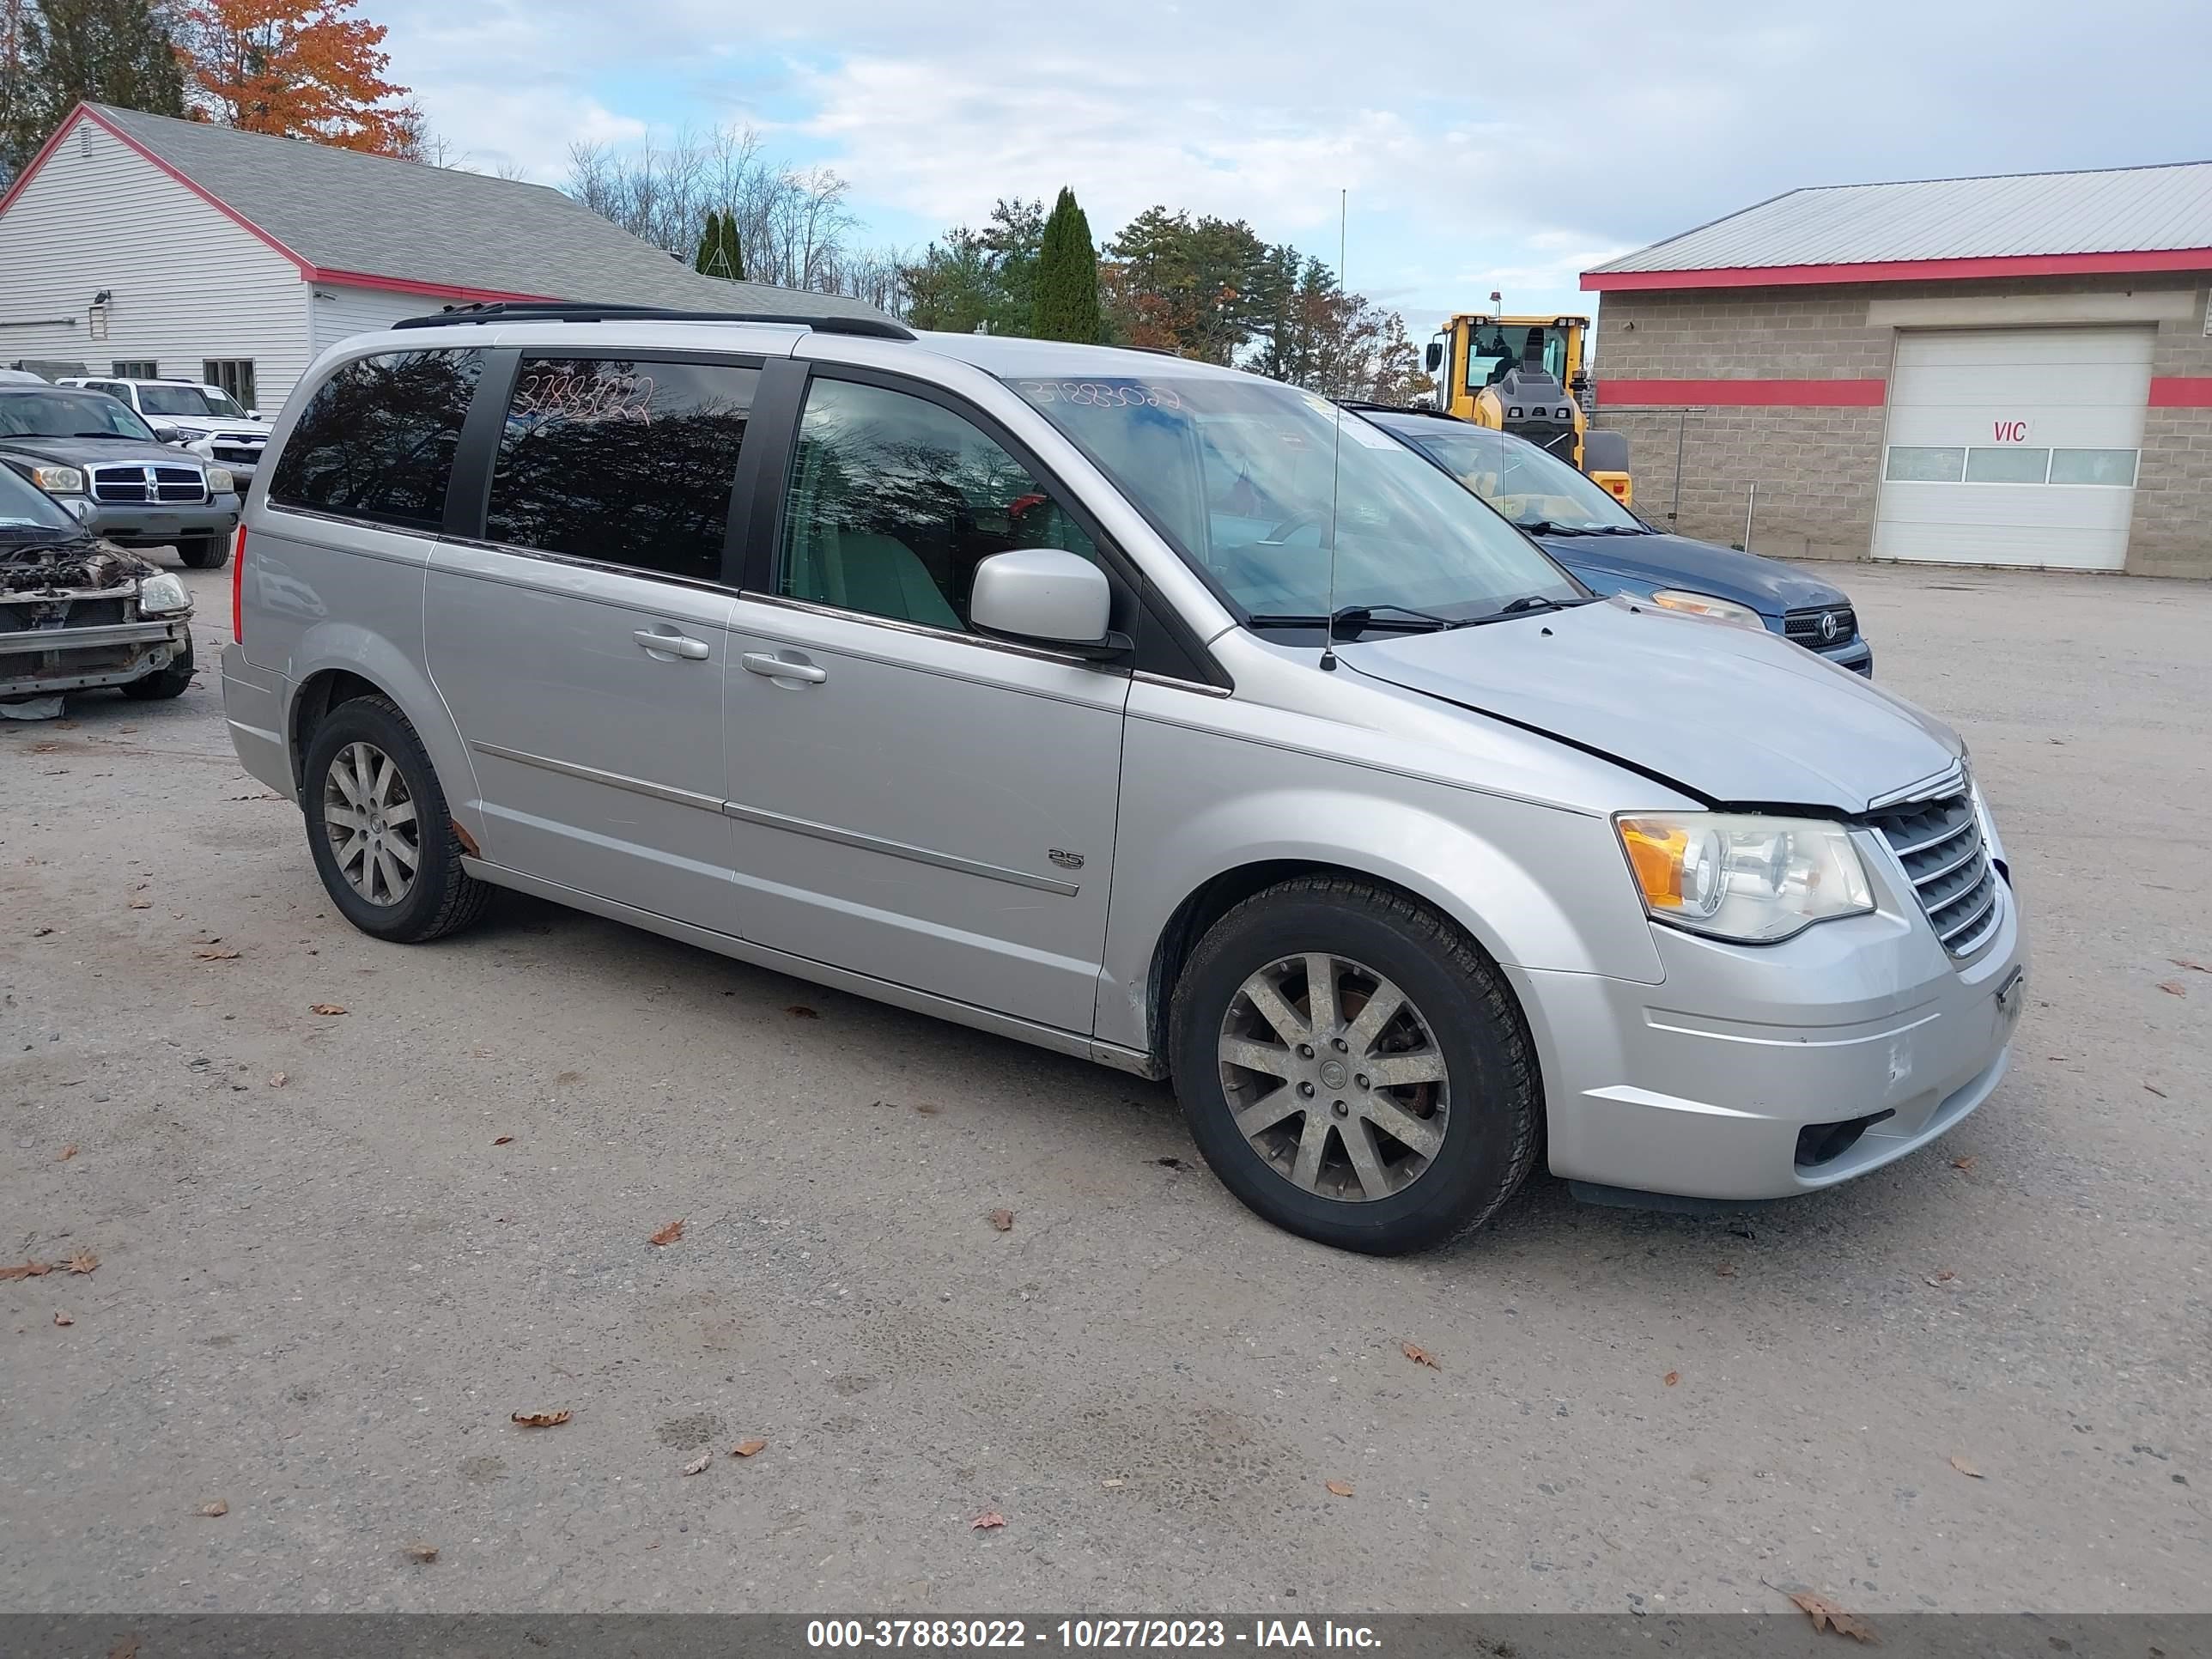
(377, 822)
(204, 552)
(164, 682)
(1354, 1067)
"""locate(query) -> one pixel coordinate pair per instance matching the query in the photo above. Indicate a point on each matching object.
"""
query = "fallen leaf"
(929, 1111)
(800, 1011)
(502, 1141)
(1672, 1379)
(1003, 1220)
(61, 1318)
(1419, 1355)
(126, 1649)
(2173, 987)
(2193, 967)
(141, 905)
(80, 1260)
(1944, 1278)
(1966, 1468)
(748, 1448)
(2160, 1092)
(424, 1554)
(28, 1270)
(985, 1522)
(278, 1079)
(69, 1151)
(1341, 1488)
(569, 1077)
(327, 1008)
(667, 1235)
(1826, 1615)
(538, 1419)
(216, 956)
(1726, 1270)
(1967, 1163)
(211, 1511)
(698, 1463)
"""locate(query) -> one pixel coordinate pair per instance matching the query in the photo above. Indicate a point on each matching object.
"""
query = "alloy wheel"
(369, 817)
(1334, 1078)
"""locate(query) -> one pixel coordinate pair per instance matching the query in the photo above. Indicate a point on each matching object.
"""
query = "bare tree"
(794, 224)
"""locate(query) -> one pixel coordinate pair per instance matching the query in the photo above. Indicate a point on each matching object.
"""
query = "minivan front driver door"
(913, 800)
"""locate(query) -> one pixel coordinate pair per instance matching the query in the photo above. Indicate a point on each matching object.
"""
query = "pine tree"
(719, 252)
(101, 51)
(1068, 277)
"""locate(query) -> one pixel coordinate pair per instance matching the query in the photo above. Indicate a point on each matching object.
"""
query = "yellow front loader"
(1527, 376)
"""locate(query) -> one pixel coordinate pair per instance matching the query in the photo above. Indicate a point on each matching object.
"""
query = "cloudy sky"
(1484, 146)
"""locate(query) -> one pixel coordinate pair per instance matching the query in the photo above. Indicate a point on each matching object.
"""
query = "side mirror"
(1433, 359)
(253, 413)
(167, 434)
(1045, 594)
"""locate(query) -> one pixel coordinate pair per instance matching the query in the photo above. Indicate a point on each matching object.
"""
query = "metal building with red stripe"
(2007, 371)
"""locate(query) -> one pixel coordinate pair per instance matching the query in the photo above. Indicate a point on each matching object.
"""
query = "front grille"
(1803, 627)
(1939, 842)
(236, 455)
(178, 486)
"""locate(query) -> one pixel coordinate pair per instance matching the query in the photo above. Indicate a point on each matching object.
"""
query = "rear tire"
(383, 841)
(1463, 1088)
(164, 682)
(205, 552)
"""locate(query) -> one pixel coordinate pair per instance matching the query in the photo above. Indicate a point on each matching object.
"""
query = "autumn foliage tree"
(299, 69)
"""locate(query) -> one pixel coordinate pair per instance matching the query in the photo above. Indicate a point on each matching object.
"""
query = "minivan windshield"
(1252, 481)
(58, 413)
(25, 507)
(1528, 485)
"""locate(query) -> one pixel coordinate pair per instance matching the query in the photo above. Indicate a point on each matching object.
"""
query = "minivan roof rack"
(550, 311)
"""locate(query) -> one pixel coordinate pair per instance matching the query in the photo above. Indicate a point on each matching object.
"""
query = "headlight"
(1744, 877)
(220, 482)
(161, 593)
(58, 480)
(1705, 605)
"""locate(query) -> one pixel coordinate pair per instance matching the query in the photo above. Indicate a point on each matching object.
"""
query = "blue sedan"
(1613, 551)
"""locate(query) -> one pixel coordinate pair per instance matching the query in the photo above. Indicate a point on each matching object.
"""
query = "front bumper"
(1704, 1084)
(130, 525)
(41, 662)
(1857, 656)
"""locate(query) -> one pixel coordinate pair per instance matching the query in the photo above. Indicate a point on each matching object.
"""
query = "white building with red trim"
(2009, 371)
(135, 244)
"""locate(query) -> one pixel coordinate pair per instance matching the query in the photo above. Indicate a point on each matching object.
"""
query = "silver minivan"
(1134, 708)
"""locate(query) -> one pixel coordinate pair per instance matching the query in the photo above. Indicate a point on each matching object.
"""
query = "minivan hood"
(1768, 586)
(1735, 715)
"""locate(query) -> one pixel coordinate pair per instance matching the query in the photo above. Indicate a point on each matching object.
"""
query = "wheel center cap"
(1332, 1073)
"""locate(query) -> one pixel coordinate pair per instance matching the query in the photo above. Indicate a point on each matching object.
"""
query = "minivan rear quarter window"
(620, 460)
(377, 442)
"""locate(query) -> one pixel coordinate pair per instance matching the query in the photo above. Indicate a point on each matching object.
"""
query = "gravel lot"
(326, 1278)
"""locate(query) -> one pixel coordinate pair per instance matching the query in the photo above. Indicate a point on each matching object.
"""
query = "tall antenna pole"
(1336, 460)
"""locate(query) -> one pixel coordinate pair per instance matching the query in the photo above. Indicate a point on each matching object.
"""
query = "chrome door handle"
(776, 668)
(674, 645)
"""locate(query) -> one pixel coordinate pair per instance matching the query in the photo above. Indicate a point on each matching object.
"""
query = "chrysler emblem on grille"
(1831, 626)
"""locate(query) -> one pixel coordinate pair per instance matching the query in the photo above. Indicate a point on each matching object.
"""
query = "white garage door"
(2013, 447)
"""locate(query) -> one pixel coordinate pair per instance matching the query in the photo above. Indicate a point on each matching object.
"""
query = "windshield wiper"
(1545, 527)
(1353, 618)
(130, 437)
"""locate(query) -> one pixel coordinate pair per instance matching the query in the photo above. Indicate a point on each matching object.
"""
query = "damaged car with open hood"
(78, 613)
(1138, 708)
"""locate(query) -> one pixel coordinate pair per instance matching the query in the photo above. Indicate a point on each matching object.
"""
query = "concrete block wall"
(1817, 466)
